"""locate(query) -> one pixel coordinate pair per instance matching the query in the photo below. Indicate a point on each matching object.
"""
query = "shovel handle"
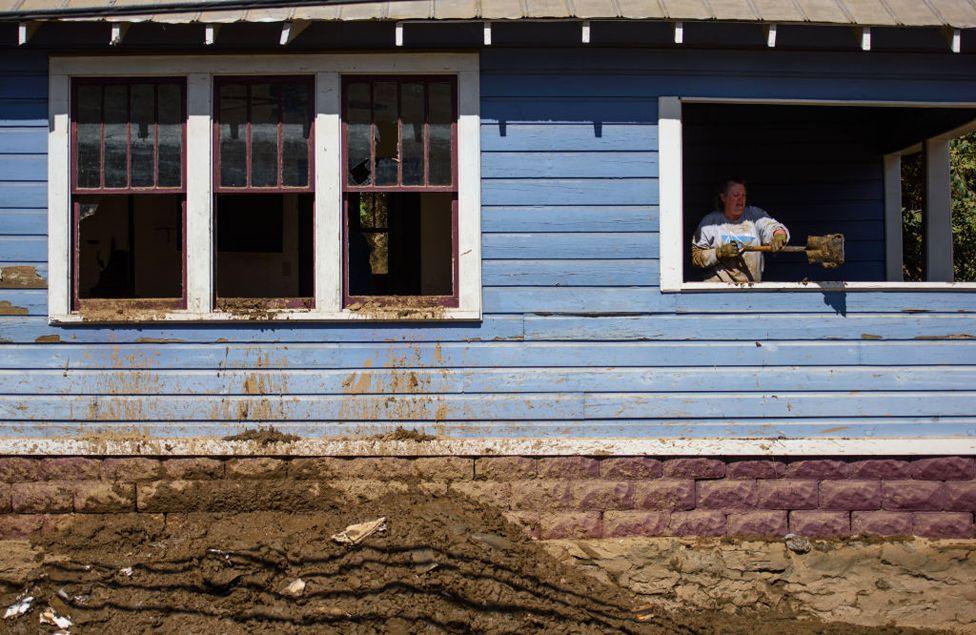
(769, 248)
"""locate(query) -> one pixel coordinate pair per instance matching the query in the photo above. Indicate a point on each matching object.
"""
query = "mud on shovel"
(827, 251)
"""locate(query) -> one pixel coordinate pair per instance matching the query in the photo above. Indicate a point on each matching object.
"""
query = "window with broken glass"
(128, 192)
(264, 192)
(400, 191)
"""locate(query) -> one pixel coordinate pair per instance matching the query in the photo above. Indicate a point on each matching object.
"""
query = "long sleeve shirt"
(754, 227)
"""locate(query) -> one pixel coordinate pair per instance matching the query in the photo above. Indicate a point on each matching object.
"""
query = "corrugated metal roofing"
(954, 13)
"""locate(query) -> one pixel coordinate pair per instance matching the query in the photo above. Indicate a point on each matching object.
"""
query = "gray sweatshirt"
(754, 227)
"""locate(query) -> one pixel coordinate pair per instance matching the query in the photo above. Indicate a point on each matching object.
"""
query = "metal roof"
(950, 13)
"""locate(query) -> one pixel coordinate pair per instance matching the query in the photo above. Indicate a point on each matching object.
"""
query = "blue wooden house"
(473, 219)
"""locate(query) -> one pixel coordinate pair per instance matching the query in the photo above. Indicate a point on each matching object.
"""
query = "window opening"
(264, 192)
(812, 172)
(264, 249)
(400, 190)
(128, 192)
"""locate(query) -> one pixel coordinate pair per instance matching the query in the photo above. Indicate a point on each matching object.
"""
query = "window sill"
(390, 314)
(820, 287)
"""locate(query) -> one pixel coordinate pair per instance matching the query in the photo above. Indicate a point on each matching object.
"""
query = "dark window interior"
(130, 246)
(400, 243)
(264, 245)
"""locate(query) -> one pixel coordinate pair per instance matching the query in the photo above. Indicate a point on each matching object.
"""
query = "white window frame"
(939, 228)
(328, 70)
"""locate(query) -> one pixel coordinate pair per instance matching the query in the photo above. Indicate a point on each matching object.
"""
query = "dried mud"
(403, 434)
(263, 436)
(444, 564)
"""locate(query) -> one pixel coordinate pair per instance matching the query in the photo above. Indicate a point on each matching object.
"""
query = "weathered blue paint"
(577, 339)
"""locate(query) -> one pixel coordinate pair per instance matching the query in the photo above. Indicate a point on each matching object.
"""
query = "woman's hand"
(726, 252)
(778, 240)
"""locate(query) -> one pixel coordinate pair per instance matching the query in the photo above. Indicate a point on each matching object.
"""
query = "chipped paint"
(159, 340)
(21, 277)
(48, 339)
(6, 308)
(947, 336)
(870, 336)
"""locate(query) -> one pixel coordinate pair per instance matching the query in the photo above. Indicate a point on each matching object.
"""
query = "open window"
(818, 169)
(128, 194)
(400, 191)
(264, 192)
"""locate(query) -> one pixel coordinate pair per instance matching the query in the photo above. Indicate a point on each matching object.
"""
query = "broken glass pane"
(441, 109)
(412, 118)
(295, 128)
(116, 135)
(89, 126)
(358, 118)
(265, 115)
(170, 159)
(142, 139)
(233, 135)
(387, 135)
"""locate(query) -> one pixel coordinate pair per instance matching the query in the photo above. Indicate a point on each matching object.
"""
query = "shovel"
(827, 251)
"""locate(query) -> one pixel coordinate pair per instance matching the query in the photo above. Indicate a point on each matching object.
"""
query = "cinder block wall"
(556, 497)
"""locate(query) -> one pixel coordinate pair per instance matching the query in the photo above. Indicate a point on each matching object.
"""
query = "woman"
(716, 245)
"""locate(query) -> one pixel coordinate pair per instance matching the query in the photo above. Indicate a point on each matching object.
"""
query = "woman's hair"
(723, 188)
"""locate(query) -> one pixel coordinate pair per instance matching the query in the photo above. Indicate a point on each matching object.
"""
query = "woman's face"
(734, 200)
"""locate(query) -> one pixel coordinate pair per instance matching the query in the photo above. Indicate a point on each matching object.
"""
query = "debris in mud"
(355, 534)
(20, 606)
(797, 544)
(50, 618)
(296, 588)
(126, 571)
(402, 434)
(263, 436)
(500, 582)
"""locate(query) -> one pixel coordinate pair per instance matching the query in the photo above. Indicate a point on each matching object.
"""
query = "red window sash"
(249, 81)
(448, 301)
(129, 188)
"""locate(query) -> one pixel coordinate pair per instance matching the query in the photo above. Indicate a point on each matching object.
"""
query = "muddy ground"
(444, 564)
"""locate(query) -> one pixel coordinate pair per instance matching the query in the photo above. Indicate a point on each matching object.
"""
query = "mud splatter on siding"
(21, 277)
(9, 309)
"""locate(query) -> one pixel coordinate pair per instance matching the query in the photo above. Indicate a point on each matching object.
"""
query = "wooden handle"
(769, 248)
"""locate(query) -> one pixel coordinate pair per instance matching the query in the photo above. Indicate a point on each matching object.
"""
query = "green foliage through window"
(962, 152)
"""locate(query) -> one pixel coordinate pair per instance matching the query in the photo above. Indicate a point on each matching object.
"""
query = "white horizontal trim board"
(173, 446)
(327, 70)
(673, 240)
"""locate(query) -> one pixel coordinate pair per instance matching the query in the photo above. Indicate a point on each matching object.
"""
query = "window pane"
(412, 118)
(400, 243)
(89, 120)
(441, 115)
(131, 246)
(358, 117)
(295, 129)
(387, 136)
(170, 103)
(264, 246)
(116, 135)
(233, 135)
(143, 140)
(265, 115)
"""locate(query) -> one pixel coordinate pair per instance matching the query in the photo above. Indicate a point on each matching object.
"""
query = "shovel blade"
(827, 251)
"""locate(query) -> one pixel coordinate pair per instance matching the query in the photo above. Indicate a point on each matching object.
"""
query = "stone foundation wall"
(556, 497)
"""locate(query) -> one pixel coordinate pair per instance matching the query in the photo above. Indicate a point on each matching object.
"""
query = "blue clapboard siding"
(577, 339)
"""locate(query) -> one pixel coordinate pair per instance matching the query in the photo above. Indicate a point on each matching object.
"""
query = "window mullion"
(199, 177)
